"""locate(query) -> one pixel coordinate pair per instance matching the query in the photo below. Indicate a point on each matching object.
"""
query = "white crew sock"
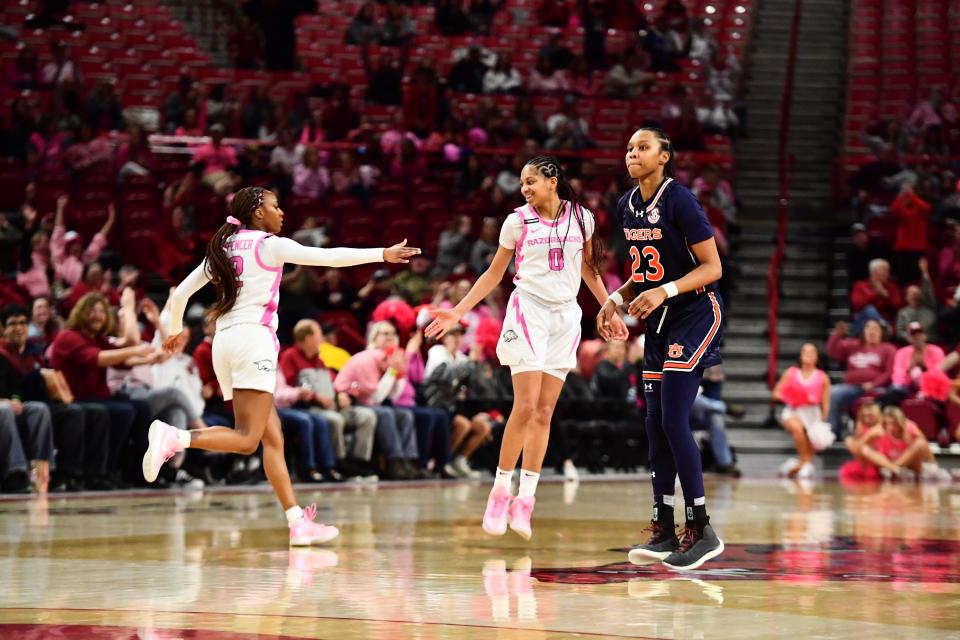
(528, 483)
(184, 438)
(503, 479)
(294, 513)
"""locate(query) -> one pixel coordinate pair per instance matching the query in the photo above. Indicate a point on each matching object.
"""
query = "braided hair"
(669, 169)
(219, 269)
(549, 167)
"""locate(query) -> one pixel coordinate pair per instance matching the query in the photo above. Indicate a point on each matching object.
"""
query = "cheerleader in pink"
(805, 390)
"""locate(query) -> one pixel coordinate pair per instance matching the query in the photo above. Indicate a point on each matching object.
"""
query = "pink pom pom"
(794, 394)
(396, 311)
(935, 385)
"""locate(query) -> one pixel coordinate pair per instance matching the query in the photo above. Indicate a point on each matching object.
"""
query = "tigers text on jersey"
(660, 233)
(548, 253)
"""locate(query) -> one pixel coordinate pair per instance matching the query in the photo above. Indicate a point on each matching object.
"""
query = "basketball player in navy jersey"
(675, 267)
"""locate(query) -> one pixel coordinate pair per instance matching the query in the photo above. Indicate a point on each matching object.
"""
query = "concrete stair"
(817, 108)
(804, 308)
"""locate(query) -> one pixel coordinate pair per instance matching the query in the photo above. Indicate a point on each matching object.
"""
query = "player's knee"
(248, 447)
(523, 411)
(481, 426)
(543, 415)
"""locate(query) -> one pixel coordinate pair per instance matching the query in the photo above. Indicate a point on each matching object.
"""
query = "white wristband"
(616, 298)
(671, 289)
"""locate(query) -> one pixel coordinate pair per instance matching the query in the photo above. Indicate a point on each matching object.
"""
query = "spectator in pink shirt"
(33, 274)
(217, 159)
(926, 113)
(372, 376)
(310, 179)
(66, 248)
(911, 361)
(393, 138)
(546, 79)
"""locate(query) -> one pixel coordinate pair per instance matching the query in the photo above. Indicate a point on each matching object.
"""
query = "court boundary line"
(330, 618)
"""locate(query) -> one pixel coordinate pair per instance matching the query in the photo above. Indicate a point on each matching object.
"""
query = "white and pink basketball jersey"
(548, 253)
(259, 293)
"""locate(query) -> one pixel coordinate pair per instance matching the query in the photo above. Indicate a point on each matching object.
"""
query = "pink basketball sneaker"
(163, 445)
(520, 511)
(495, 517)
(305, 531)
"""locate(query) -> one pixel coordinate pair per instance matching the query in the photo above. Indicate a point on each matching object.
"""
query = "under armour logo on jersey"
(510, 336)
(653, 216)
(675, 351)
(265, 365)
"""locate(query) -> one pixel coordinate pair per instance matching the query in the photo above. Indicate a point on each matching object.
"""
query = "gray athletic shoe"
(695, 549)
(662, 543)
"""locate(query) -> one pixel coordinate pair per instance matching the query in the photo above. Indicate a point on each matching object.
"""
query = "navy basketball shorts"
(682, 339)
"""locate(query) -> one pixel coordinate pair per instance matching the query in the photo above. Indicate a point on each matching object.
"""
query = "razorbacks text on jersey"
(548, 253)
(660, 233)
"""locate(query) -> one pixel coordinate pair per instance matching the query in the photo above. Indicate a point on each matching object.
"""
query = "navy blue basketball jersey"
(660, 233)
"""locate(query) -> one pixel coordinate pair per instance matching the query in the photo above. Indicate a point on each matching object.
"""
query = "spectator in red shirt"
(867, 363)
(913, 214)
(215, 410)
(877, 297)
(82, 351)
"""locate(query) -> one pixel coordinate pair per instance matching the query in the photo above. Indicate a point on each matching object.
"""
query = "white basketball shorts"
(245, 357)
(539, 337)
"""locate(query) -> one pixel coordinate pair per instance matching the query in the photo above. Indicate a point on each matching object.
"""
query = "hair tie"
(232, 220)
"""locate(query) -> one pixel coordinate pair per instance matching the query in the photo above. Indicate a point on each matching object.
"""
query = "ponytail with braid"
(219, 268)
(549, 167)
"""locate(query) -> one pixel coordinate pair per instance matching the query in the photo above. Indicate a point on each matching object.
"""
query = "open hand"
(400, 252)
(443, 319)
(175, 344)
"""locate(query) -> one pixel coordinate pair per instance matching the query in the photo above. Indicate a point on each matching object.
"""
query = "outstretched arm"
(278, 251)
(491, 278)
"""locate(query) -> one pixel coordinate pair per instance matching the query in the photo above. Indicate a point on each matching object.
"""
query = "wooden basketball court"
(802, 561)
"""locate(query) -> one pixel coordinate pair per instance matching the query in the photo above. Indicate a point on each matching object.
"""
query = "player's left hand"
(645, 303)
(400, 252)
(175, 344)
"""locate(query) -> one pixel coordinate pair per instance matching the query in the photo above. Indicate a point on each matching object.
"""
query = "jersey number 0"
(654, 272)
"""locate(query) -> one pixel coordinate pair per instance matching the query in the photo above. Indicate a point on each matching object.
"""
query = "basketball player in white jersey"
(244, 262)
(551, 240)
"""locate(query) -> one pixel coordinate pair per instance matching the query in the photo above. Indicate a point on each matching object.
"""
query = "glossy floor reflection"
(817, 561)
